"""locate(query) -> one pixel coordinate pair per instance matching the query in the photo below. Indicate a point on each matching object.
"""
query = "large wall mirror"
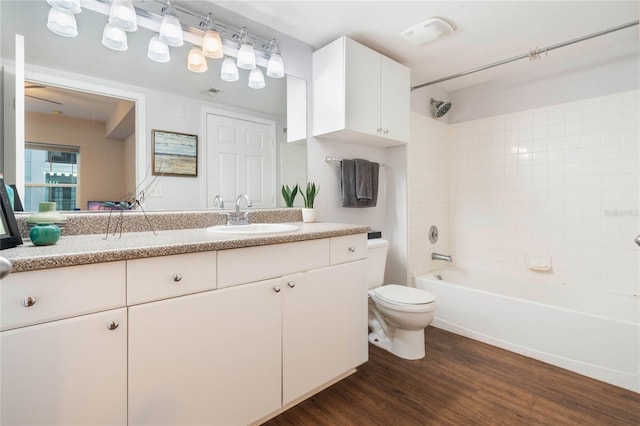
(90, 112)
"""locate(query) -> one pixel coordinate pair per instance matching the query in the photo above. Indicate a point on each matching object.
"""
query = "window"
(51, 174)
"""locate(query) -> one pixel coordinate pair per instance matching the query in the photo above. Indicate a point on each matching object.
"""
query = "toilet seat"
(403, 298)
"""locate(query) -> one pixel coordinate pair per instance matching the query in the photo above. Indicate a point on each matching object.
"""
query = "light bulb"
(228, 70)
(246, 57)
(123, 15)
(114, 38)
(256, 79)
(196, 61)
(212, 45)
(62, 23)
(171, 31)
(275, 66)
(158, 51)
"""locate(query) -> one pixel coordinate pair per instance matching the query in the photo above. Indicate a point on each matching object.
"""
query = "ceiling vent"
(427, 31)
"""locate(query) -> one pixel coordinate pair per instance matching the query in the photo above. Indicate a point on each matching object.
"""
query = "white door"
(67, 372)
(240, 160)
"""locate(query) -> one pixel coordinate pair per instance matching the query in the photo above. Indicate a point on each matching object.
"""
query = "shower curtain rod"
(532, 55)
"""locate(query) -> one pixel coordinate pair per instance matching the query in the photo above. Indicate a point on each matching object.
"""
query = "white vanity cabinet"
(360, 95)
(69, 371)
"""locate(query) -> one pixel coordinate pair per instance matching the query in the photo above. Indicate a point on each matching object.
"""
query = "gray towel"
(364, 188)
(348, 183)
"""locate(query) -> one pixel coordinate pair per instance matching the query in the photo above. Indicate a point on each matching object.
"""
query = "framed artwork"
(174, 154)
(9, 234)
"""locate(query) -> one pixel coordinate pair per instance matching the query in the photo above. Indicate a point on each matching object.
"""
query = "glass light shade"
(256, 78)
(157, 50)
(246, 57)
(123, 15)
(196, 62)
(62, 23)
(212, 45)
(69, 6)
(228, 70)
(114, 38)
(171, 31)
(275, 66)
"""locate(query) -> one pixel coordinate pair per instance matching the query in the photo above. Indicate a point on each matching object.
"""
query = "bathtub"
(592, 333)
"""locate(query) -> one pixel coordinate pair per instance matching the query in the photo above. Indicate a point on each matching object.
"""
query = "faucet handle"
(218, 201)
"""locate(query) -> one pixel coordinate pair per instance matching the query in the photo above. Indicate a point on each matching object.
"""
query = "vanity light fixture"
(196, 62)
(123, 15)
(69, 6)
(62, 23)
(256, 78)
(229, 70)
(114, 38)
(246, 54)
(157, 50)
(275, 66)
(211, 42)
(170, 28)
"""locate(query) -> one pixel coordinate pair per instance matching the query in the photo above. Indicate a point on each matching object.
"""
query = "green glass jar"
(44, 234)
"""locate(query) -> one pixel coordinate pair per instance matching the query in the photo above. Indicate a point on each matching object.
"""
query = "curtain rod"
(336, 159)
(532, 55)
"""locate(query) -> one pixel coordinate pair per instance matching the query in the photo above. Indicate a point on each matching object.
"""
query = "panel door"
(211, 358)
(324, 326)
(67, 372)
(240, 160)
(395, 100)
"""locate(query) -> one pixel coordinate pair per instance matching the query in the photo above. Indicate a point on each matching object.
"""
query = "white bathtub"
(592, 333)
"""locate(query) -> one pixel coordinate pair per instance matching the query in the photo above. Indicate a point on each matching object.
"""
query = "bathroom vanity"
(180, 328)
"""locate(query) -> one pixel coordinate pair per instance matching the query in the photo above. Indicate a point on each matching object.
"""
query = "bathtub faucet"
(438, 256)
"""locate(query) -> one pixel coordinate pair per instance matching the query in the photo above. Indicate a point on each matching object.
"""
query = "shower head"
(440, 108)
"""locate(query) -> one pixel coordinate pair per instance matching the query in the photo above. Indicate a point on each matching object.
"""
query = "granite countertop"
(93, 248)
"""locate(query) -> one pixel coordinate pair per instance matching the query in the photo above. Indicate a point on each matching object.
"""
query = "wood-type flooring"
(464, 382)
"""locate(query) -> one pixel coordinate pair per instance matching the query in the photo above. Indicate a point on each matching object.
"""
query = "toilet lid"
(394, 293)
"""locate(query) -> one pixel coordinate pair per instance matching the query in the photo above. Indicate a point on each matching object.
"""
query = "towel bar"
(334, 159)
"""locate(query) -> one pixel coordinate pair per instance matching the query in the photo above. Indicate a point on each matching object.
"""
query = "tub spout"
(438, 256)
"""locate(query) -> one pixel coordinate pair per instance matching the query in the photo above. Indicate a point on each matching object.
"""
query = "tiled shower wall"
(561, 181)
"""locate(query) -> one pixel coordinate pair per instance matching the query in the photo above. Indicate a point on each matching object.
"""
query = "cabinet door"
(395, 100)
(363, 77)
(324, 328)
(211, 358)
(67, 372)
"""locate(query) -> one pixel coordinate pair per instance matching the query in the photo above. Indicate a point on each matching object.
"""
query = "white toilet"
(397, 314)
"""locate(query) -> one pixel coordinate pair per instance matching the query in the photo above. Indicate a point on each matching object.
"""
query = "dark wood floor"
(464, 382)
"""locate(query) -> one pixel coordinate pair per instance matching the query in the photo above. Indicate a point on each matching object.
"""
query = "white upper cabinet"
(359, 95)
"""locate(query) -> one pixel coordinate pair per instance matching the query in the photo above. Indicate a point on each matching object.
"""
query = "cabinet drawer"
(60, 293)
(348, 248)
(162, 277)
(244, 265)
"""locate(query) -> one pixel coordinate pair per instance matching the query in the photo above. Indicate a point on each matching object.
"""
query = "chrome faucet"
(218, 201)
(238, 217)
(438, 256)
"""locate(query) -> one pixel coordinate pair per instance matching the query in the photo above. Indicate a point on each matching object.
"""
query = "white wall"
(561, 181)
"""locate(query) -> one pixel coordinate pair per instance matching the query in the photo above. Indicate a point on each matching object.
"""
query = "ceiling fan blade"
(42, 99)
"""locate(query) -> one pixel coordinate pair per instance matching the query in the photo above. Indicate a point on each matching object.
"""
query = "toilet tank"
(376, 261)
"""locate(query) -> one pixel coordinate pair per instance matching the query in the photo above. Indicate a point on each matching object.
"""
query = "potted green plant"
(309, 196)
(289, 194)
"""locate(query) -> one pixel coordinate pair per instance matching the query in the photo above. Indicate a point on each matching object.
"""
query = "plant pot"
(308, 215)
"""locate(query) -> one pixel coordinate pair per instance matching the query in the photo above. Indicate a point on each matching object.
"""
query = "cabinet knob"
(352, 249)
(291, 284)
(276, 288)
(28, 301)
(379, 129)
(113, 325)
(386, 131)
(177, 277)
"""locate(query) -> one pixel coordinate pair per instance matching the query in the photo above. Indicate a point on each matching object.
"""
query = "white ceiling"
(486, 31)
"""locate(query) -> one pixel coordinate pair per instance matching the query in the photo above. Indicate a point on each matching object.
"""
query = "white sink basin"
(253, 229)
